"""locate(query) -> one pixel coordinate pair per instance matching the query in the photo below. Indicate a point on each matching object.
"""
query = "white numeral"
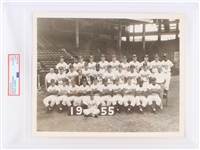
(79, 110)
(103, 111)
(111, 111)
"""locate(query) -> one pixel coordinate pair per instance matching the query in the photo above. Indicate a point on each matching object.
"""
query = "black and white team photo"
(107, 75)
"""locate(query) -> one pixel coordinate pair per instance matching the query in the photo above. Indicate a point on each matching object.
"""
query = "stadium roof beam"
(77, 33)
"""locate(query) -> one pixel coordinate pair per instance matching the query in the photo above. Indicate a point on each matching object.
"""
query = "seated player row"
(127, 95)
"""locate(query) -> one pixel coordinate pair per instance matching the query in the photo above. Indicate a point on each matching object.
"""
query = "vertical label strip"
(13, 74)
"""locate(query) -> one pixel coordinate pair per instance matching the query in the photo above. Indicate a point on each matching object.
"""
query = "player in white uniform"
(145, 74)
(114, 63)
(146, 60)
(71, 74)
(62, 64)
(49, 76)
(84, 90)
(117, 98)
(129, 99)
(160, 80)
(154, 95)
(61, 75)
(72, 94)
(125, 64)
(103, 63)
(87, 73)
(80, 64)
(140, 95)
(91, 64)
(98, 73)
(155, 63)
(166, 66)
(50, 100)
(106, 91)
(62, 94)
(92, 106)
(120, 74)
(135, 63)
(133, 75)
(109, 75)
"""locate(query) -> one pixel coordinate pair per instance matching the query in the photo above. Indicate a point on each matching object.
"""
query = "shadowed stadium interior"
(72, 38)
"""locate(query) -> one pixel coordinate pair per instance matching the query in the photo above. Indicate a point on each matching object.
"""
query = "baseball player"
(83, 91)
(49, 76)
(72, 94)
(145, 74)
(125, 64)
(154, 95)
(132, 74)
(135, 63)
(117, 95)
(109, 75)
(92, 106)
(50, 100)
(62, 94)
(62, 64)
(87, 73)
(129, 99)
(155, 63)
(61, 75)
(106, 91)
(103, 63)
(71, 74)
(160, 80)
(98, 73)
(120, 74)
(114, 63)
(80, 64)
(140, 93)
(166, 66)
(146, 60)
(91, 64)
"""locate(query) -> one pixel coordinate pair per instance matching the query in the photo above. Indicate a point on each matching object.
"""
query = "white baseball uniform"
(141, 98)
(72, 90)
(154, 66)
(145, 75)
(114, 64)
(50, 76)
(148, 64)
(99, 75)
(51, 98)
(103, 65)
(121, 76)
(60, 77)
(82, 98)
(110, 76)
(125, 66)
(133, 75)
(166, 66)
(92, 106)
(154, 96)
(136, 64)
(63, 94)
(80, 65)
(105, 89)
(116, 97)
(64, 65)
(92, 65)
(96, 88)
(71, 75)
(127, 96)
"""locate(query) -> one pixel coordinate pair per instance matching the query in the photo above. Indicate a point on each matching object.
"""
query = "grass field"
(166, 120)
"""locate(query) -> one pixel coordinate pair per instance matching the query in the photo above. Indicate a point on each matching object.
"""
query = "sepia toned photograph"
(107, 75)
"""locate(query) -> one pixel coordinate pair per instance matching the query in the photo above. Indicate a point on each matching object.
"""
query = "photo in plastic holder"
(108, 75)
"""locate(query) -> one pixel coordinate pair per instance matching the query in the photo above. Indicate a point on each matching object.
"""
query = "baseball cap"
(91, 56)
(146, 55)
(84, 80)
(159, 66)
(109, 66)
(85, 64)
(132, 66)
(52, 81)
(156, 56)
(117, 79)
(120, 66)
(71, 66)
(102, 55)
(80, 57)
(97, 65)
(64, 80)
(105, 80)
(124, 57)
(153, 79)
(134, 55)
(113, 56)
(51, 69)
(165, 55)
(61, 57)
(95, 78)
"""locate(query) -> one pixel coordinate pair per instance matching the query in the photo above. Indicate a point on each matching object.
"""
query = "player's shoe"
(161, 107)
(141, 111)
(95, 116)
(60, 110)
(86, 115)
(154, 111)
(49, 110)
(118, 110)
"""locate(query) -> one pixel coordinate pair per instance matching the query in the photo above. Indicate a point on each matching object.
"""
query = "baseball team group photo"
(107, 75)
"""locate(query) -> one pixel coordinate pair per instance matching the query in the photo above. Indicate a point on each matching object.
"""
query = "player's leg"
(161, 95)
(138, 103)
(127, 105)
(46, 102)
(59, 103)
(166, 85)
(77, 100)
(151, 103)
(133, 102)
(95, 112)
(86, 112)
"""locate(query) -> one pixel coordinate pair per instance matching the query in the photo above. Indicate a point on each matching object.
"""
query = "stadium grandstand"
(74, 37)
